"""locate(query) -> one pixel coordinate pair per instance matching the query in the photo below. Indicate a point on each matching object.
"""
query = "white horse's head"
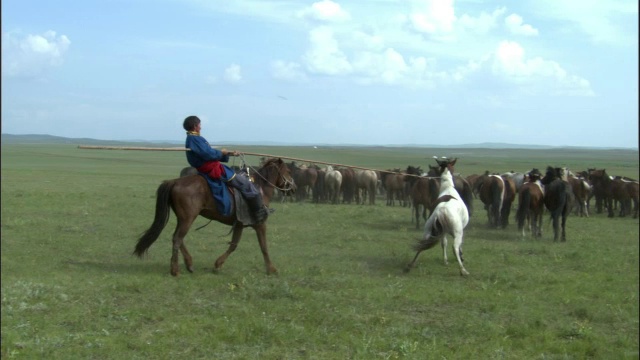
(446, 179)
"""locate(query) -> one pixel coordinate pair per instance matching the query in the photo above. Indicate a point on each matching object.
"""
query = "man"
(209, 161)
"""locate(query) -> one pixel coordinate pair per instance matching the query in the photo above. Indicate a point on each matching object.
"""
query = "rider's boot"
(259, 212)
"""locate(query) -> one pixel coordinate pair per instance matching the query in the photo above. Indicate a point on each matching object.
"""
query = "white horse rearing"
(449, 217)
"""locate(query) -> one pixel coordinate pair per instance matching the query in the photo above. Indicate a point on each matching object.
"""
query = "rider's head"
(190, 123)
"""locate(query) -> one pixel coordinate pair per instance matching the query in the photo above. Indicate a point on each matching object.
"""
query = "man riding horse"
(209, 161)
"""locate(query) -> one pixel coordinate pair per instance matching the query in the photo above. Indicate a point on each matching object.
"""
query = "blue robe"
(201, 152)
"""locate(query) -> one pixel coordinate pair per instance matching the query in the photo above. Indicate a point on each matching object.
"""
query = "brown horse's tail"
(163, 202)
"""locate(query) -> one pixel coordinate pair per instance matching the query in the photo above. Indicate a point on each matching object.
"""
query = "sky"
(374, 72)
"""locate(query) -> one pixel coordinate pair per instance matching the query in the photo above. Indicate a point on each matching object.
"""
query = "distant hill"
(50, 139)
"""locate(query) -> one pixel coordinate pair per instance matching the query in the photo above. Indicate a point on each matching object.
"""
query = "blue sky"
(375, 72)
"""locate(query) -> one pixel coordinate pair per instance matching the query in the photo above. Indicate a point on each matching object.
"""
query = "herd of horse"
(441, 197)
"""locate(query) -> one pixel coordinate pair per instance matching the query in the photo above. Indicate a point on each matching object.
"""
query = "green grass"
(72, 290)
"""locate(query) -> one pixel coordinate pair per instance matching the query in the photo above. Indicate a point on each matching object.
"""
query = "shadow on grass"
(141, 267)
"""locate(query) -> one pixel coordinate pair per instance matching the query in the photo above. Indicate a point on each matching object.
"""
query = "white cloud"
(233, 74)
(510, 63)
(433, 17)
(515, 25)
(361, 39)
(289, 71)
(611, 22)
(324, 55)
(32, 55)
(482, 24)
(325, 10)
(391, 68)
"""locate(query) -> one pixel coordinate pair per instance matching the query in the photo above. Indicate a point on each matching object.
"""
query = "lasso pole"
(139, 148)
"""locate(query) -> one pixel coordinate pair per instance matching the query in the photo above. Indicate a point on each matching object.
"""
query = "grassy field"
(72, 290)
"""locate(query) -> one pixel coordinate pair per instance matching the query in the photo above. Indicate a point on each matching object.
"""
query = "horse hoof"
(464, 273)
(272, 270)
(190, 269)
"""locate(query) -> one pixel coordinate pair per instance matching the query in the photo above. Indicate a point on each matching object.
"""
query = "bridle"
(289, 185)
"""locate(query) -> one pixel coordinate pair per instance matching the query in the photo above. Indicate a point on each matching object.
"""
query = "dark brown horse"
(531, 204)
(472, 179)
(191, 196)
(424, 192)
(348, 184)
(558, 199)
(602, 185)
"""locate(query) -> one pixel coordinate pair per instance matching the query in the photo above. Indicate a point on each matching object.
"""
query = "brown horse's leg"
(261, 232)
(188, 261)
(178, 245)
(235, 239)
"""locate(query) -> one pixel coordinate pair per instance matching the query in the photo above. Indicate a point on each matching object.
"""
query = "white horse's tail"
(426, 243)
(433, 230)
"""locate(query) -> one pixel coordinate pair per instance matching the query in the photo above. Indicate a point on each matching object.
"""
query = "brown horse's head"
(443, 163)
(276, 173)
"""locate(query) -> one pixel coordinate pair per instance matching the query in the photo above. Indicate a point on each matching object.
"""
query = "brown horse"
(305, 178)
(581, 190)
(394, 185)
(191, 196)
(625, 191)
(531, 204)
(493, 195)
(366, 184)
(510, 192)
(189, 170)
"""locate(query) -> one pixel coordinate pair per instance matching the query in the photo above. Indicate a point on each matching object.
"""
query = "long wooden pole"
(100, 147)
(94, 147)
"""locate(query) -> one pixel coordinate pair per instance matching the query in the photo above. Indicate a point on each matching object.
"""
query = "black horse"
(558, 199)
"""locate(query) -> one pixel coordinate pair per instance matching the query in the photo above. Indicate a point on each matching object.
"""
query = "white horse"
(449, 217)
(332, 184)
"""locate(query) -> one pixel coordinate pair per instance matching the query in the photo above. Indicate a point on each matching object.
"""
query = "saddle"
(227, 199)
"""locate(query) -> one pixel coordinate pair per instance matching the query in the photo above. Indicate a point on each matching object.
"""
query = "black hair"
(190, 122)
